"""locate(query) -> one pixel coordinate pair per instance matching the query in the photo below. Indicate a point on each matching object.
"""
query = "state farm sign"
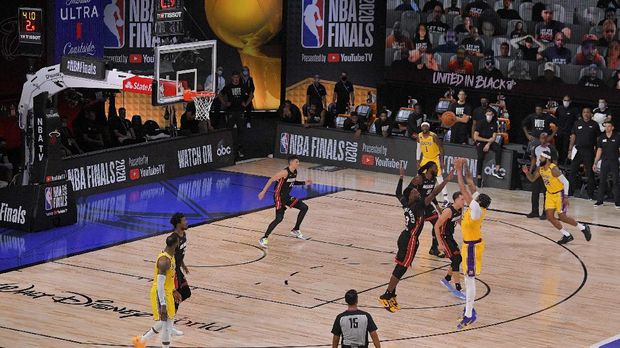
(138, 84)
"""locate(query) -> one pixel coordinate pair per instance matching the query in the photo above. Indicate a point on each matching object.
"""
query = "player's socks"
(565, 232)
(470, 294)
(586, 231)
(152, 331)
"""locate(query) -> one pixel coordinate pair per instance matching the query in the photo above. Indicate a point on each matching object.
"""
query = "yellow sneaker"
(137, 342)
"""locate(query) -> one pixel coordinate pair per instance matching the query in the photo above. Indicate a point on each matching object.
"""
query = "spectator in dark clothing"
(236, 97)
(189, 124)
(583, 142)
(459, 132)
(316, 93)
(529, 46)
(489, 69)
(289, 113)
(549, 75)
(454, 9)
(69, 144)
(476, 7)
(486, 138)
(436, 26)
(608, 151)
(354, 124)
(450, 45)
(608, 4)
(518, 31)
(507, 12)
(248, 82)
(431, 5)
(414, 121)
(4, 157)
(546, 30)
(407, 5)
(473, 45)
(610, 13)
(422, 40)
(566, 115)
(479, 113)
(590, 78)
(536, 123)
(120, 127)
(138, 128)
(557, 53)
(382, 125)
(466, 27)
(344, 94)
(315, 117)
(89, 134)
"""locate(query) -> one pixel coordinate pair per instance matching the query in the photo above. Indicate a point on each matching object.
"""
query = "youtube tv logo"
(134, 174)
(368, 160)
(135, 58)
(333, 57)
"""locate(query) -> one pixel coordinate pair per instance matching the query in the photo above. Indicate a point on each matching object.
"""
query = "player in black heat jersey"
(414, 207)
(181, 289)
(444, 231)
(428, 174)
(285, 179)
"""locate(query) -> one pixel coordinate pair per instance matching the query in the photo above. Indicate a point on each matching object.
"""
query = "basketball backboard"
(181, 67)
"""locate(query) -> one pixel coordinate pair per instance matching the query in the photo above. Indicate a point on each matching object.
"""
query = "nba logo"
(313, 14)
(48, 198)
(114, 20)
(284, 143)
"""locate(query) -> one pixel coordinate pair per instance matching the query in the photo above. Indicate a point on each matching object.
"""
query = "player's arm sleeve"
(336, 329)
(399, 188)
(371, 324)
(474, 207)
(161, 294)
(564, 181)
(299, 183)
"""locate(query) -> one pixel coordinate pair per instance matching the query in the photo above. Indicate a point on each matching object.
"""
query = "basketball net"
(202, 101)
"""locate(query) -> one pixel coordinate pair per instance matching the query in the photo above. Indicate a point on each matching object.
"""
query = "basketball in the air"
(448, 119)
(244, 23)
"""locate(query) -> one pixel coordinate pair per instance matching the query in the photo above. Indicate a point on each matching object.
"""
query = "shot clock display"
(30, 21)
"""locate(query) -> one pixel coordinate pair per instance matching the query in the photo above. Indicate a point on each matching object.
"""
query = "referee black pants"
(495, 147)
(585, 157)
(609, 168)
(538, 187)
(234, 120)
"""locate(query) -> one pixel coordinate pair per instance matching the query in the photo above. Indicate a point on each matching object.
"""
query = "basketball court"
(532, 292)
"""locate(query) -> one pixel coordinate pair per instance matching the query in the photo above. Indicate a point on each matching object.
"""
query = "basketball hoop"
(202, 101)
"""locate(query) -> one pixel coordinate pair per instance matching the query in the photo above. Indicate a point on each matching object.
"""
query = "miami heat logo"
(54, 135)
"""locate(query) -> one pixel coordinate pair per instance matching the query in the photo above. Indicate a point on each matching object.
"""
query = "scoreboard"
(168, 18)
(30, 31)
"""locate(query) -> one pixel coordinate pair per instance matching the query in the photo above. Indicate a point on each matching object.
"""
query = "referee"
(354, 326)
(608, 152)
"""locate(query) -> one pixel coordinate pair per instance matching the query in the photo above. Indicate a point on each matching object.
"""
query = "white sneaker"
(263, 242)
(176, 332)
(297, 234)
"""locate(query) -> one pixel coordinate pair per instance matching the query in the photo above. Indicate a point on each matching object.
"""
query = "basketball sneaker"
(297, 234)
(587, 233)
(263, 242)
(566, 239)
(436, 252)
(458, 294)
(137, 342)
(466, 321)
(388, 301)
(176, 332)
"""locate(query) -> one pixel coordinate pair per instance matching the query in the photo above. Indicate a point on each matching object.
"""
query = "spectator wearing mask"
(546, 30)
(473, 45)
(236, 96)
(354, 124)
(382, 125)
(476, 7)
(590, 78)
(507, 12)
(613, 55)
(489, 69)
(609, 33)
(535, 124)
(450, 45)
(407, 5)
(120, 126)
(538, 186)
(454, 9)
(437, 26)
(316, 93)
(398, 40)
(289, 113)
(479, 113)
(549, 75)
(528, 45)
(248, 82)
(583, 138)
(608, 151)
(601, 114)
(89, 134)
(344, 94)
(589, 53)
(315, 117)
(566, 115)
(487, 138)
(459, 132)
(557, 53)
(460, 64)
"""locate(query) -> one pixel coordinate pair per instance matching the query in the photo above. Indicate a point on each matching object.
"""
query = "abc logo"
(224, 150)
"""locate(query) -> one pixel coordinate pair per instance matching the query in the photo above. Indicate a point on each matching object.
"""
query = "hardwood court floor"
(532, 292)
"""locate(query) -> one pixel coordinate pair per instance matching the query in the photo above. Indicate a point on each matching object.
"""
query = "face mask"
(220, 72)
(246, 73)
(566, 104)
(601, 105)
(344, 78)
(489, 118)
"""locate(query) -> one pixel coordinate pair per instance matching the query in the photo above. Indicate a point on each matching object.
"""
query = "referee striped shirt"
(353, 328)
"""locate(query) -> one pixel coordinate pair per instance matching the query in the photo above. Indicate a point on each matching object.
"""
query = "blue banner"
(79, 28)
